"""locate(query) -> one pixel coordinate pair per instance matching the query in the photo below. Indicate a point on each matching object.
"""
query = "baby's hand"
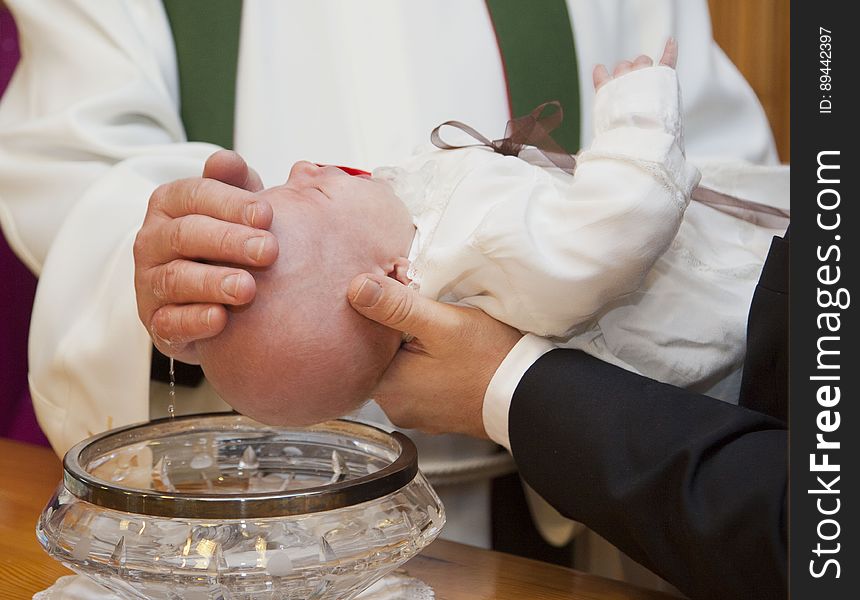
(670, 58)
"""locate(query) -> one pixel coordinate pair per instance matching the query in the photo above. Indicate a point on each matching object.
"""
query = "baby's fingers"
(600, 75)
(670, 53)
(642, 61)
(625, 66)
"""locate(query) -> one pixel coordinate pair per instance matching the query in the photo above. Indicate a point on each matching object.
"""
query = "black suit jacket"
(693, 488)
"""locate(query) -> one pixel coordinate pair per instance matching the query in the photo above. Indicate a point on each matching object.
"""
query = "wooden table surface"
(455, 571)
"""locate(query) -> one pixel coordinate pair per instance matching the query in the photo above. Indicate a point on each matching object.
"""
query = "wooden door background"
(755, 35)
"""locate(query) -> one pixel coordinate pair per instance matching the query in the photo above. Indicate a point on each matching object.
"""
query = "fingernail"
(250, 213)
(230, 285)
(368, 294)
(206, 316)
(254, 248)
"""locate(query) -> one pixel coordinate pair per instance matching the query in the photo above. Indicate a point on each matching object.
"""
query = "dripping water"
(171, 392)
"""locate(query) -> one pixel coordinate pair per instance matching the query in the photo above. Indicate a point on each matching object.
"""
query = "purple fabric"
(8, 47)
(17, 420)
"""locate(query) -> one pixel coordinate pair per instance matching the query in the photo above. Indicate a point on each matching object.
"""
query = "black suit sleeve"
(691, 487)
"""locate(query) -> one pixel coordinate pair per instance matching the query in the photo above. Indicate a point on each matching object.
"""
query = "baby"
(602, 260)
(299, 354)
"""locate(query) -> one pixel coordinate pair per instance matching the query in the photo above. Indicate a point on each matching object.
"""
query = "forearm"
(689, 486)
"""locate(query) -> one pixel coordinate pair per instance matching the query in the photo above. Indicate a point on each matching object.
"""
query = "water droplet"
(171, 391)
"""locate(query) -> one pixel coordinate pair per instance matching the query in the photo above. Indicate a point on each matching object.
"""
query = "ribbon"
(534, 129)
(747, 210)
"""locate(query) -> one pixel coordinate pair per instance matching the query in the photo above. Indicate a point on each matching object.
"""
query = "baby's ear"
(399, 269)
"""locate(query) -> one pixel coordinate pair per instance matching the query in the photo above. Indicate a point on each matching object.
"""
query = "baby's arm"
(573, 244)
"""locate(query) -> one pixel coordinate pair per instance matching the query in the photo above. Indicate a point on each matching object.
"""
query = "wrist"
(645, 98)
(503, 383)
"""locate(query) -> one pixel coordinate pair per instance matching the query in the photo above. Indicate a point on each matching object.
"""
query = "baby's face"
(299, 354)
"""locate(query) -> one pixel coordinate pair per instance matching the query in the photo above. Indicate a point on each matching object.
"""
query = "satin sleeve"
(558, 248)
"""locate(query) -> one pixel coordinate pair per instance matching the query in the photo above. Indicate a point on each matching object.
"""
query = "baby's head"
(299, 354)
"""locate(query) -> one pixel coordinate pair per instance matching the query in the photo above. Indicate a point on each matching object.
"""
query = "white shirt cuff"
(500, 392)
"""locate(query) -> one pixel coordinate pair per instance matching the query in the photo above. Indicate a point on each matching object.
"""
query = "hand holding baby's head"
(299, 354)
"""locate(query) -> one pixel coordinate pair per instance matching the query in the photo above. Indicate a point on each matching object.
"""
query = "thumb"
(229, 167)
(390, 303)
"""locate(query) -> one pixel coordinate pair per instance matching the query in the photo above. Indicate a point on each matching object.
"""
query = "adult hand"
(215, 218)
(601, 74)
(436, 382)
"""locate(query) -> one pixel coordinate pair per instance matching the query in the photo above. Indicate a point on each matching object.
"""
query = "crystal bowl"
(222, 507)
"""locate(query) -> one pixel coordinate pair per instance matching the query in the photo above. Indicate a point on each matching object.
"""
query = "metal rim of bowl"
(88, 488)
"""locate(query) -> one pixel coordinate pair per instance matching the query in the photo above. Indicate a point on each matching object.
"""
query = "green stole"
(539, 57)
(535, 40)
(206, 37)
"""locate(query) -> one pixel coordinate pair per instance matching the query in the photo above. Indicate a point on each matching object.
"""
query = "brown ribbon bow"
(534, 129)
(531, 130)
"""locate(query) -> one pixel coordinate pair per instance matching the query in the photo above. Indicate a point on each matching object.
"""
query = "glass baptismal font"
(222, 507)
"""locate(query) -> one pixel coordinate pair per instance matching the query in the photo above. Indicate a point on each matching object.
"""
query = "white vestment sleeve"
(89, 126)
(560, 248)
